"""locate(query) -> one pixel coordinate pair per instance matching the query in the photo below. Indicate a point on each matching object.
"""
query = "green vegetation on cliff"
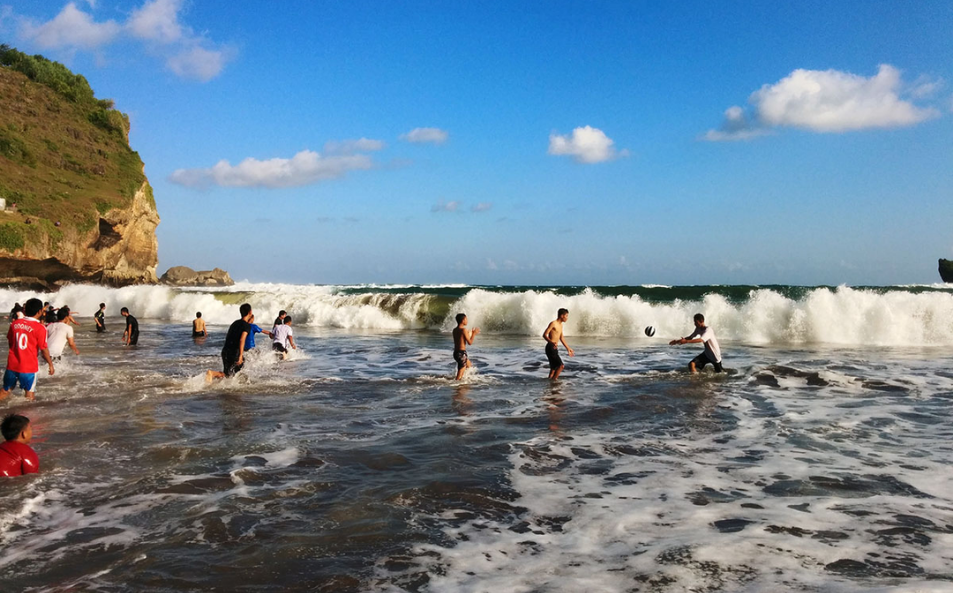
(64, 154)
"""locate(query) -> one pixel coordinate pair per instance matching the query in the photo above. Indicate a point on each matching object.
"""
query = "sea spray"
(884, 316)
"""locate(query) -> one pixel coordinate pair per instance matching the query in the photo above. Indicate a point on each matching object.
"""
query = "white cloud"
(481, 207)
(830, 101)
(305, 168)
(197, 63)
(352, 146)
(925, 87)
(585, 145)
(422, 135)
(441, 206)
(157, 20)
(71, 28)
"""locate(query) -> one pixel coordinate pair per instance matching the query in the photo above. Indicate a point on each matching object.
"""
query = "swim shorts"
(552, 353)
(27, 381)
(231, 365)
(702, 359)
(461, 357)
(198, 334)
(133, 338)
(278, 347)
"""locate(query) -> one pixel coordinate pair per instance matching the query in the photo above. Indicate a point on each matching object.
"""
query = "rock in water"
(186, 276)
(946, 270)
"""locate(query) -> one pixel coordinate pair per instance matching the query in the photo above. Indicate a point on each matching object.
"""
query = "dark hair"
(287, 319)
(198, 314)
(102, 305)
(460, 317)
(282, 312)
(245, 309)
(32, 307)
(13, 425)
(124, 310)
(699, 318)
(62, 314)
(562, 312)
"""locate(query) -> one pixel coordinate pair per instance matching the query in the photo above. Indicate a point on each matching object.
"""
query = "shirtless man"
(198, 326)
(553, 336)
(461, 338)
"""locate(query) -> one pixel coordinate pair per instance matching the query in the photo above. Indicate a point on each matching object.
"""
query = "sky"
(521, 143)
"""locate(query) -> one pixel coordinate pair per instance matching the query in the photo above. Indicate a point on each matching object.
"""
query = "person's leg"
(28, 383)
(211, 375)
(555, 373)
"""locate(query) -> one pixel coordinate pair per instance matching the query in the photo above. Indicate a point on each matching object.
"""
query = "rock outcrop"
(946, 270)
(186, 276)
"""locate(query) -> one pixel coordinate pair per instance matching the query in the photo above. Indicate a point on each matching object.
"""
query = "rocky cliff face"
(84, 210)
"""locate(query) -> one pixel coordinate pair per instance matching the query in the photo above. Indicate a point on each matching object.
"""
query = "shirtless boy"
(461, 338)
(553, 336)
(198, 326)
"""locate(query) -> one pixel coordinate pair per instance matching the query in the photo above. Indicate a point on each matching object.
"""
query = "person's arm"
(291, 340)
(126, 334)
(562, 339)
(689, 340)
(548, 334)
(72, 344)
(73, 321)
(46, 356)
(241, 348)
(471, 335)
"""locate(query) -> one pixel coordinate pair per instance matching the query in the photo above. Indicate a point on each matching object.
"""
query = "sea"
(822, 460)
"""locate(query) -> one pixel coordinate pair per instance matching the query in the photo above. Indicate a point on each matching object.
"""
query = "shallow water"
(360, 466)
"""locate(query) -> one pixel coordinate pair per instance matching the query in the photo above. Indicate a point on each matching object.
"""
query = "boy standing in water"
(712, 353)
(16, 455)
(130, 337)
(461, 338)
(27, 339)
(283, 337)
(198, 326)
(100, 318)
(553, 336)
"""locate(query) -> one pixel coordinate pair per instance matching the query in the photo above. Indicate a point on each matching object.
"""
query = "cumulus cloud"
(585, 145)
(197, 63)
(156, 24)
(70, 29)
(157, 20)
(426, 135)
(352, 146)
(441, 206)
(481, 207)
(828, 101)
(305, 168)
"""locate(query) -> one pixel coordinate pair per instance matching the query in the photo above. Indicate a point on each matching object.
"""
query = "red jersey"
(27, 337)
(17, 459)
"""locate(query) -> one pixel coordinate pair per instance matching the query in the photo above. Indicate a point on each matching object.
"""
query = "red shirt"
(17, 459)
(27, 337)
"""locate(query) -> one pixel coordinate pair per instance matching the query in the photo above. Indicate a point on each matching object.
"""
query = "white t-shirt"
(56, 336)
(707, 334)
(282, 333)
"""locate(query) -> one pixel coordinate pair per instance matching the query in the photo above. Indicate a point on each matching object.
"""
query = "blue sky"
(530, 143)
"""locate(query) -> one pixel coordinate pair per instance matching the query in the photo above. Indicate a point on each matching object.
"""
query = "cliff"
(946, 270)
(78, 204)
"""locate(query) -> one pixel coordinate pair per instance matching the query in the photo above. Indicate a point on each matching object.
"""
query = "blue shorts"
(27, 381)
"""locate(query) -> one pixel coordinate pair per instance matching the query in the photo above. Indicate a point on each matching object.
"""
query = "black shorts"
(230, 365)
(100, 328)
(278, 347)
(552, 353)
(461, 357)
(702, 359)
(198, 334)
(133, 338)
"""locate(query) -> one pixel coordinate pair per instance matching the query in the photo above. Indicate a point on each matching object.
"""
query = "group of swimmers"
(554, 335)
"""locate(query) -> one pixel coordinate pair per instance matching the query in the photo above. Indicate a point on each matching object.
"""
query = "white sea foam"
(843, 316)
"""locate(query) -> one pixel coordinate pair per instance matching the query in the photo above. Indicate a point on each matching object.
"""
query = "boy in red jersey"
(27, 338)
(16, 455)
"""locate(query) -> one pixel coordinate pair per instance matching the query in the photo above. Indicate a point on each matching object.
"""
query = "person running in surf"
(279, 321)
(198, 326)
(283, 337)
(461, 338)
(233, 351)
(553, 336)
(59, 334)
(712, 352)
(100, 318)
(255, 329)
(27, 339)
